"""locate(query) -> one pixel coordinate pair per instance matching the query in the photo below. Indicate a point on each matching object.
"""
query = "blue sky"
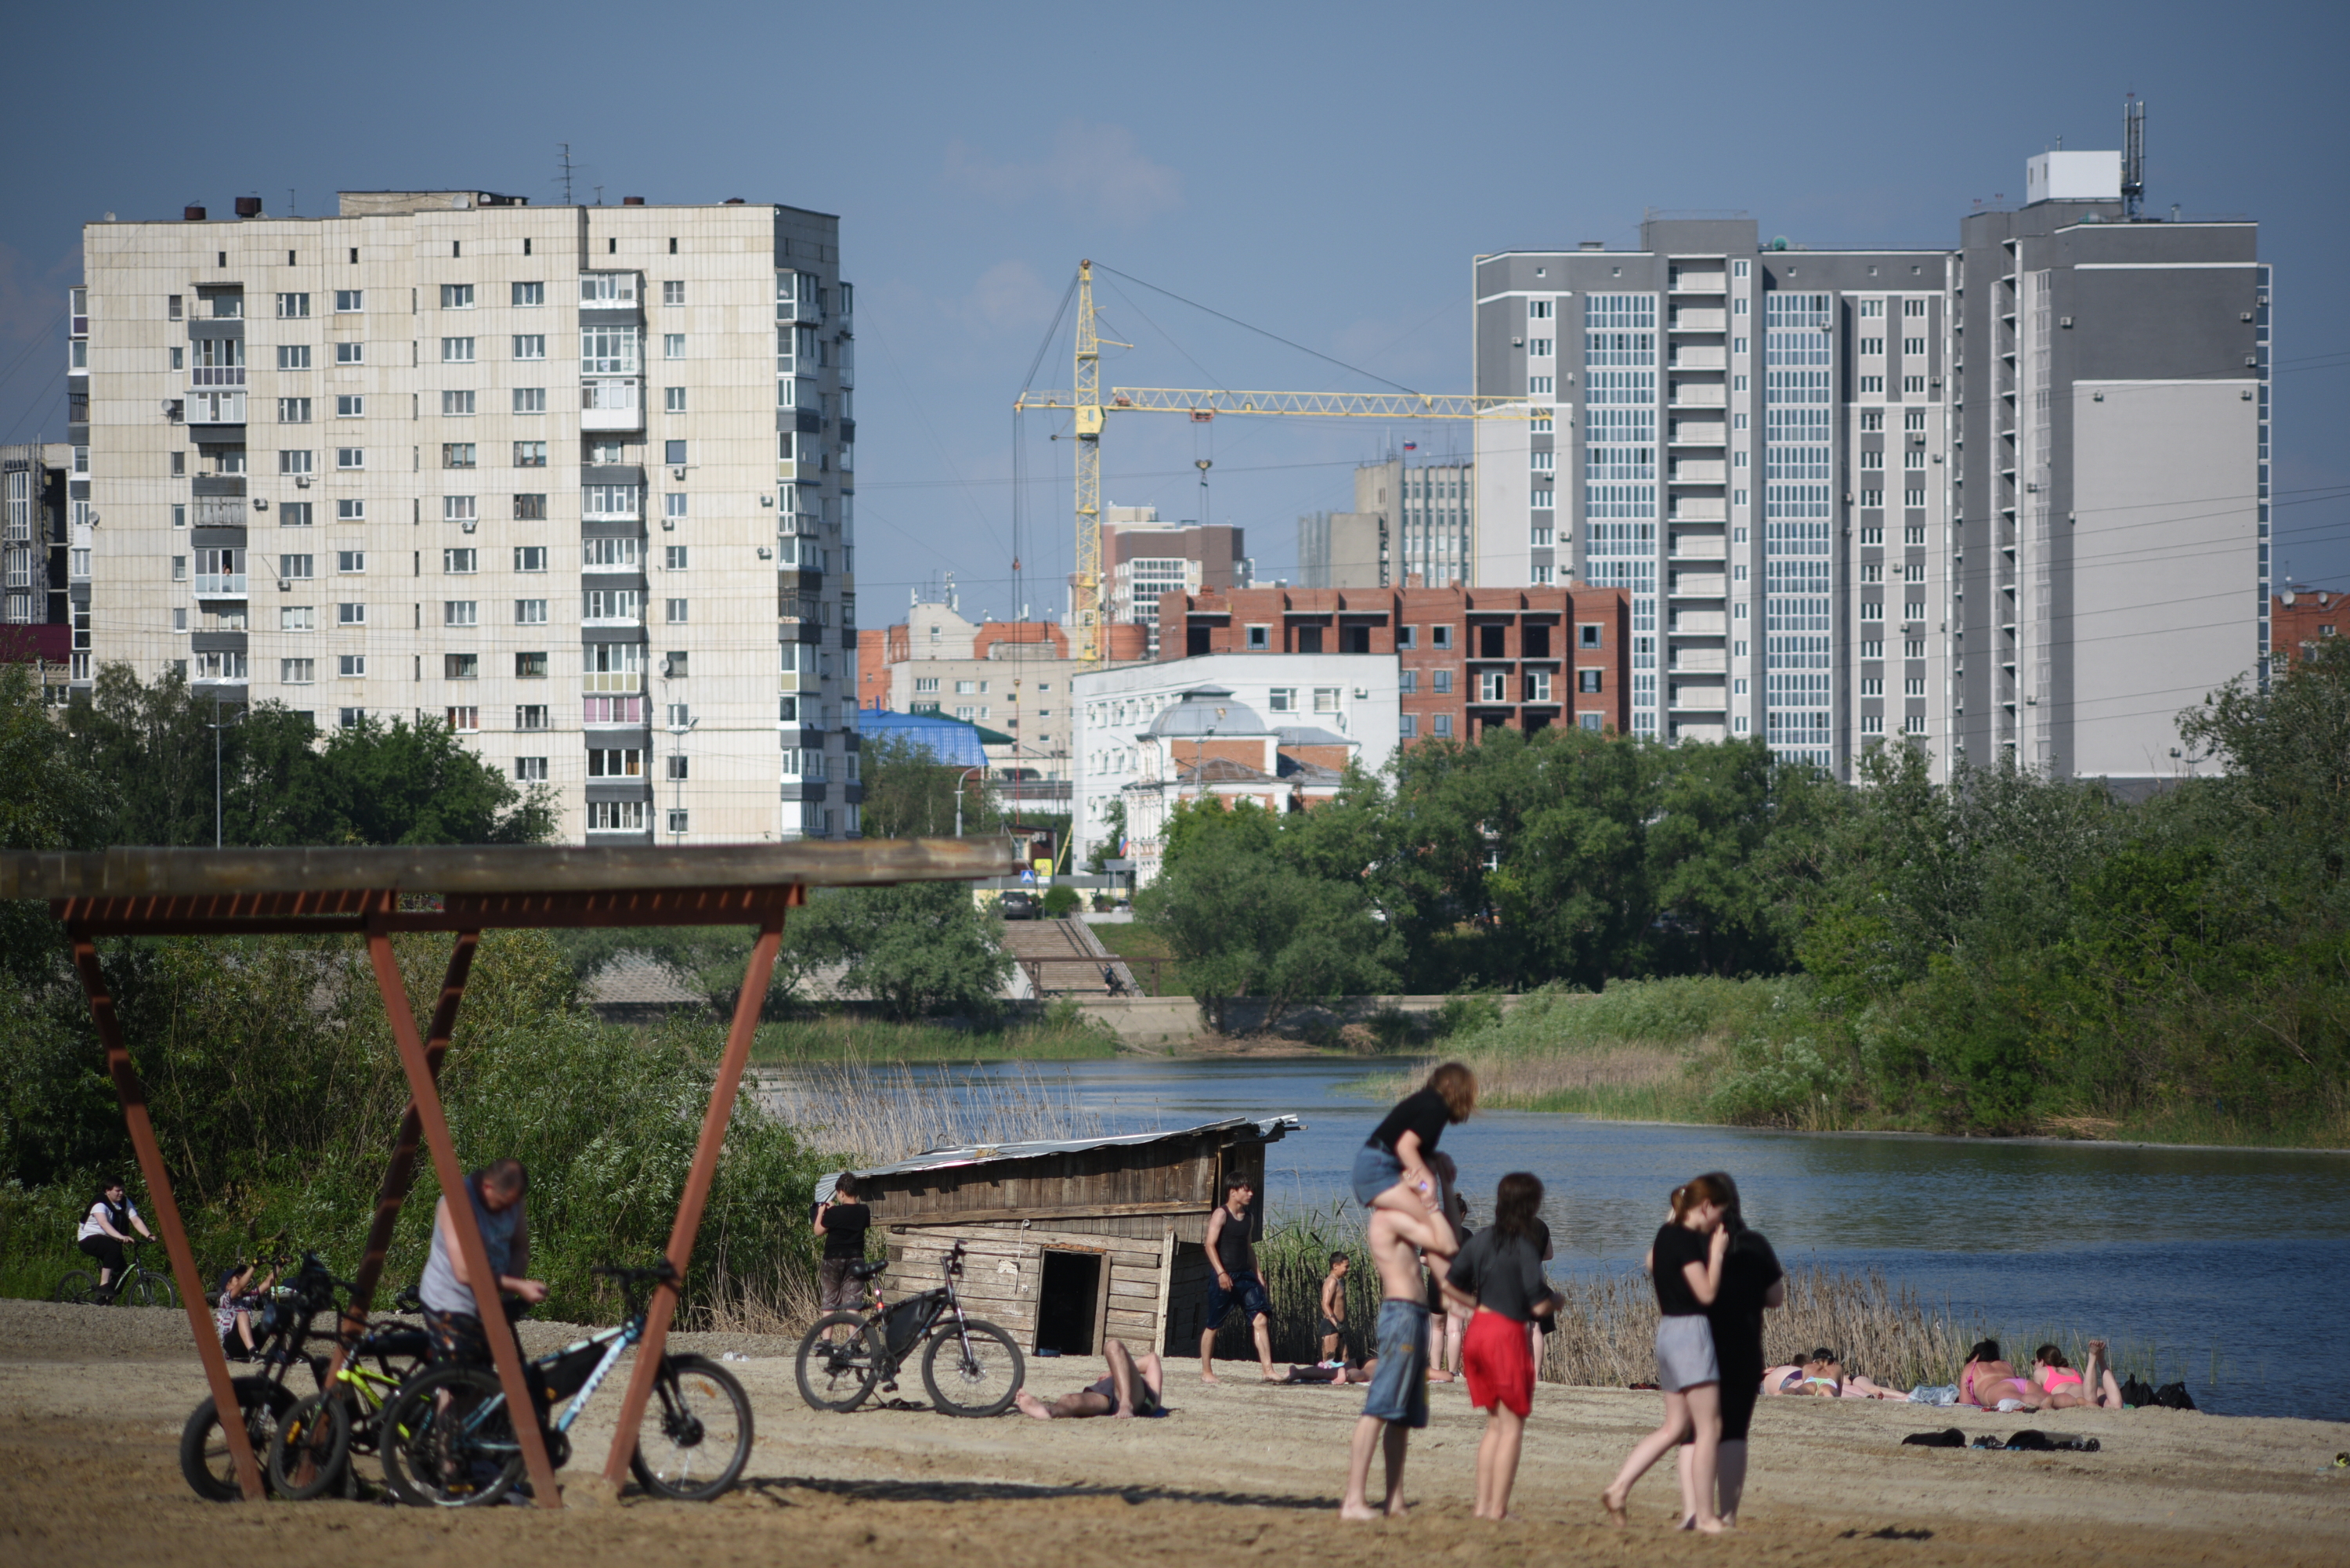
(1323, 172)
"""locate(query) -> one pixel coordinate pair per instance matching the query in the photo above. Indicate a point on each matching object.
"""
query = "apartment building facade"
(1143, 558)
(1836, 507)
(44, 532)
(1412, 518)
(1468, 660)
(2302, 619)
(575, 480)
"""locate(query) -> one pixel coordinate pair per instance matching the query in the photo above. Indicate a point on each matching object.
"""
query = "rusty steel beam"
(133, 1095)
(135, 873)
(426, 1096)
(714, 1123)
(400, 1174)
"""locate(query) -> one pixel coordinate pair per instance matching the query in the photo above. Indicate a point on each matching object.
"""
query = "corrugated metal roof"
(1270, 1130)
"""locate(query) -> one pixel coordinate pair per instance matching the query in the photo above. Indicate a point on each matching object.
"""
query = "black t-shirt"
(845, 1225)
(1504, 1273)
(1424, 1112)
(1677, 1245)
(1748, 1269)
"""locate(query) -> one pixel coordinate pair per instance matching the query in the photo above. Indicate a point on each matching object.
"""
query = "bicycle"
(310, 1451)
(281, 1340)
(841, 1375)
(449, 1439)
(136, 1285)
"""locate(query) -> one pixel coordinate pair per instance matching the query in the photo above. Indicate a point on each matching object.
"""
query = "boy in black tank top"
(1234, 1281)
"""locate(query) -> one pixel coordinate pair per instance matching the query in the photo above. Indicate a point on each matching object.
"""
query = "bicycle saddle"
(865, 1270)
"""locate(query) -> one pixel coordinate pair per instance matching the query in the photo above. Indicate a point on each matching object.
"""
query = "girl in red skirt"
(1499, 1273)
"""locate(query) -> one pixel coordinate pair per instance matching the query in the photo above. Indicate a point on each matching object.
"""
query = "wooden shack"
(1070, 1243)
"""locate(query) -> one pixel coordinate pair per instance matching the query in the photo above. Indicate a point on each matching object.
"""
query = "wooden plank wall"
(1003, 1265)
(1173, 1175)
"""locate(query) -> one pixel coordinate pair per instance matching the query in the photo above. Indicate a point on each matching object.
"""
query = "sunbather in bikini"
(1822, 1376)
(1986, 1381)
(2067, 1389)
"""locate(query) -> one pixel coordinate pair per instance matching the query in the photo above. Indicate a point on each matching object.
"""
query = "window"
(672, 345)
(1872, 459)
(456, 404)
(1872, 573)
(675, 450)
(1407, 681)
(604, 350)
(1872, 348)
(530, 770)
(456, 296)
(677, 769)
(673, 557)
(350, 511)
(1872, 610)
(1912, 347)
(1872, 723)
(461, 666)
(1913, 307)
(1441, 681)
(530, 612)
(1260, 637)
(1915, 724)
(1914, 420)
(351, 563)
(294, 463)
(1914, 458)
(297, 671)
(673, 400)
(296, 618)
(1408, 726)
(1915, 686)
(609, 554)
(460, 612)
(350, 718)
(294, 515)
(1913, 385)
(350, 457)
(1589, 680)
(350, 353)
(530, 508)
(1872, 384)
(674, 504)
(532, 716)
(456, 454)
(349, 299)
(293, 568)
(1281, 700)
(290, 357)
(293, 306)
(677, 612)
(530, 345)
(350, 665)
(678, 819)
(458, 509)
(674, 291)
(1913, 498)
(526, 295)
(461, 561)
(1493, 686)
(530, 667)
(1915, 534)
(1538, 685)
(1871, 309)
(605, 290)
(1538, 309)
(611, 501)
(616, 762)
(456, 351)
(350, 405)
(1443, 725)
(616, 815)
(530, 559)
(614, 604)
(171, 307)
(293, 412)
(530, 399)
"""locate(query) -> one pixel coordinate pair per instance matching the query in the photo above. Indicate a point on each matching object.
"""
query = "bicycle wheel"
(310, 1448)
(979, 1384)
(454, 1451)
(75, 1287)
(837, 1376)
(147, 1288)
(204, 1443)
(695, 1436)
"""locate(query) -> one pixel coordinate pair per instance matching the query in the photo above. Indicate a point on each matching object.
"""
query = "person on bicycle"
(104, 1228)
(453, 1315)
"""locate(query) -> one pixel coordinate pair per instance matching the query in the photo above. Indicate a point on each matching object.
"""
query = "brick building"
(2300, 617)
(1470, 659)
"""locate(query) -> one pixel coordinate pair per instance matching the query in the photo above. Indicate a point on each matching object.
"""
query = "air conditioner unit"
(285, 585)
(469, 524)
(260, 503)
(301, 482)
(766, 554)
(766, 501)
(669, 525)
(2064, 321)
(677, 474)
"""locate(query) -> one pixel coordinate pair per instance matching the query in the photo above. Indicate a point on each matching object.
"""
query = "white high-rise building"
(575, 481)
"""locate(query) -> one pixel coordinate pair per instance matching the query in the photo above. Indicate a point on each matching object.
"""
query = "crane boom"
(1090, 412)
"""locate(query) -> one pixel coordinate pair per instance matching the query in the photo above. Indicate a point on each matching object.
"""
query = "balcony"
(1698, 318)
(1699, 357)
(596, 681)
(612, 405)
(1700, 661)
(216, 376)
(1710, 547)
(215, 407)
(220, 585)
(1699, 432)
(1698, 471)
(1699, 696)
(1699, 395)
(1699, 585)
(1700, 509)
(1698, 282)
(219, 511)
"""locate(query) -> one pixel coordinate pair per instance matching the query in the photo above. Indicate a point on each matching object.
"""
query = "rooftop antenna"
(2133, 155)
(564, 151)
(599, 195)
(289, 202)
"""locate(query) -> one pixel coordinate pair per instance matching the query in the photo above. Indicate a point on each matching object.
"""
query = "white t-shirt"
(90, 1226)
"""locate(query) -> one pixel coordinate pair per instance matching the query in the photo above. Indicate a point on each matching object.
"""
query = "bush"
(1060, 903)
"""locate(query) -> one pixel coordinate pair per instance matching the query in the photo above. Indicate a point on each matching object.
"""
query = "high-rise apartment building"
(2002, 500)
(575, 481)
(1411, 518)
(1143, 558)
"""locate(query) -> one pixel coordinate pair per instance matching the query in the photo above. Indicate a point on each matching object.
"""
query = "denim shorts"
(1247, 1293)
(1376, 1171)
(1400, 1387)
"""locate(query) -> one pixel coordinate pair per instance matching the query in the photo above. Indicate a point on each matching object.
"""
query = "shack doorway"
(1069, 1303)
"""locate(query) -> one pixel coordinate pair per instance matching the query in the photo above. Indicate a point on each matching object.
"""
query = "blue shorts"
(1376, 1171)
(1400, 1387)
(1247, 1293)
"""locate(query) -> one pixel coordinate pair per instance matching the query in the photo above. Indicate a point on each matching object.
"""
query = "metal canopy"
(464, 890)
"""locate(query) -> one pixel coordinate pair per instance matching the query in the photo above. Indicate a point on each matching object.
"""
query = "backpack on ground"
(2137, 1394)
(2173, 1396)
(1947, 1438)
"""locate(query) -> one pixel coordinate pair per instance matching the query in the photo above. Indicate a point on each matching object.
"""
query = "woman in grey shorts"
(1685, 1264)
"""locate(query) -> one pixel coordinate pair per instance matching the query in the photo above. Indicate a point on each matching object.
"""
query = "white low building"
(1295, 711)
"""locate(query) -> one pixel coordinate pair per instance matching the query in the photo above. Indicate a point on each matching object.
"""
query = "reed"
(871, 1113)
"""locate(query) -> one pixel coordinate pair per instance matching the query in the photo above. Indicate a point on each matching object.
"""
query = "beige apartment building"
(575, 480)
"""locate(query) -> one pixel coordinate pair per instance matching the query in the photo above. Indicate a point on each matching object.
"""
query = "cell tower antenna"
(2133, 155)
(563, 151)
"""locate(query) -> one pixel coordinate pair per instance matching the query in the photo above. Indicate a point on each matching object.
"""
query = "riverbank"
(1255, 1470)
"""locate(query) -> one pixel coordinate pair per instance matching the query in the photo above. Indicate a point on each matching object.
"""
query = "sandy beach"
(92, 1400)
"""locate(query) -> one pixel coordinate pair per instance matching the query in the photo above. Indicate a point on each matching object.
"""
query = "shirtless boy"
(1334, 1307)
(1398, 1401)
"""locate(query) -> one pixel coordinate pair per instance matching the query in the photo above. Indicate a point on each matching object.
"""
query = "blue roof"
(949, 740)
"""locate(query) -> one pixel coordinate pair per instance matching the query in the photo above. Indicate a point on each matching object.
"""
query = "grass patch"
(1140, 945)
(1060, 1034)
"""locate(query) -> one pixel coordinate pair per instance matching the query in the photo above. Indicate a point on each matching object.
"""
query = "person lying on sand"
(2066, 1389)
(1989, 1382)
(1132, 1388)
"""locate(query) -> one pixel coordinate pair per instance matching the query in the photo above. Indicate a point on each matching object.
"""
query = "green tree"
(909, 793)
(923, 947)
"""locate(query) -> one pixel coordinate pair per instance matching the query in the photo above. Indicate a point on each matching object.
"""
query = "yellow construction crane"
(1090, 412)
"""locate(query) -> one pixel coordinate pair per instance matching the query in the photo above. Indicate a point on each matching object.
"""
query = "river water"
(2229, 1270)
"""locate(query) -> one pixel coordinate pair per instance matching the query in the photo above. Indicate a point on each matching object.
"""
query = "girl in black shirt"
(1685, 1264)
(1751, 1280)
(1391, 1169)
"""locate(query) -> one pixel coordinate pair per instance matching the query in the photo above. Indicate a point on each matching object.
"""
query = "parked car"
(1017, 905)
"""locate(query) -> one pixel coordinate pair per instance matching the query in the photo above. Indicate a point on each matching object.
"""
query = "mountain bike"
(971, 1367)
(136, 1285)
(449, 1440)
(282, 1335)
(310, 1451)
